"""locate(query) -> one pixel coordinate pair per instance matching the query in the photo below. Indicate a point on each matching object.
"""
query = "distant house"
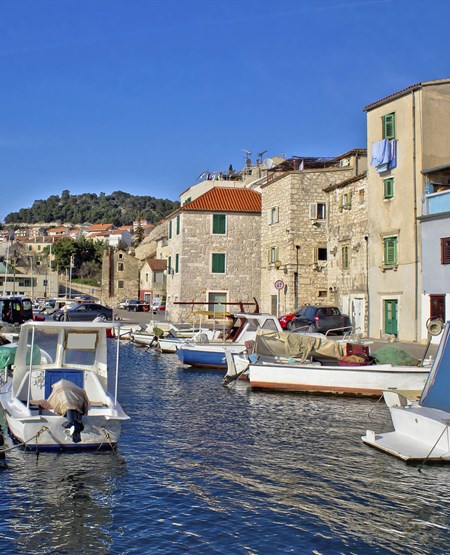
(58, 231)
(22, 232)
(98, 228)
(139, 223)
(37, 232)
(112, 238)
(152, 279)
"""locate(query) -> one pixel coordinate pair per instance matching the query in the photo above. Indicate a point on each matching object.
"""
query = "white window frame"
(273, 215)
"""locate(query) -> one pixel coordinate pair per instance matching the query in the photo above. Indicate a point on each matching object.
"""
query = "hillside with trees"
(118, 208)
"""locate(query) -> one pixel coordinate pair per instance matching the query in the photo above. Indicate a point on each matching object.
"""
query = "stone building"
(347, 255)
(408, 132)
(213, 252)
(294, 252)
(120, 277)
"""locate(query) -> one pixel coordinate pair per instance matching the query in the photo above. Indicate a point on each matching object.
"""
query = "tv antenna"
(247, 153)
(260, 155)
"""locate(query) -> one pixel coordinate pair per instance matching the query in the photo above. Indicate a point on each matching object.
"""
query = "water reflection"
(61, 503)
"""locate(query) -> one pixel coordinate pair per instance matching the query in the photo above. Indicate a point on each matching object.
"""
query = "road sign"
(279, 284)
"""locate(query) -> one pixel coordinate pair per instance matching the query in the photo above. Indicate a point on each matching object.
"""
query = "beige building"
(347, 250)
(152, 280)
(407, 132)
(294, 253)
(213, 252)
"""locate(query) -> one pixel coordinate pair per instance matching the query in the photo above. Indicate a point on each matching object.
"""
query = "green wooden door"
(390, 317)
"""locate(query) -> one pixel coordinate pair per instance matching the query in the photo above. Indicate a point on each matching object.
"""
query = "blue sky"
(143, 96)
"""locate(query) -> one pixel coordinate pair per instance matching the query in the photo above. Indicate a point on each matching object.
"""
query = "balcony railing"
(436, 203)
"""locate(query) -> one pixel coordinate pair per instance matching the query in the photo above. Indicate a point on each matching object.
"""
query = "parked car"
(159, 308)
(322, 319)
(84, 312)
(286, 319)
(124, 304)
(137, 306)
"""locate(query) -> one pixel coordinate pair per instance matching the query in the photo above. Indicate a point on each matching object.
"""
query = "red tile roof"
(100, 227)
(226, 199)
(156, 263)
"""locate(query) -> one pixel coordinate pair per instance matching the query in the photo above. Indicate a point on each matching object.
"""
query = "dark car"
(137, 306)
(322, 319)
(84, 312)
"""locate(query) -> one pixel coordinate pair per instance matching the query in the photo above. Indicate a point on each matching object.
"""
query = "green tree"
(62, 252)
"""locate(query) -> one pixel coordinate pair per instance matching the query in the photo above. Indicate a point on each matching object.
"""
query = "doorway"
(391, 317)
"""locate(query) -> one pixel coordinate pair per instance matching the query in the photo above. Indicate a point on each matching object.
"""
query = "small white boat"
(421, 428)
(169, 344)
(315, 364)
(57, 397)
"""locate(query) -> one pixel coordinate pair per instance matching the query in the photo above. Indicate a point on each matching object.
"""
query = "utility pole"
(70, 276)
(31, 277)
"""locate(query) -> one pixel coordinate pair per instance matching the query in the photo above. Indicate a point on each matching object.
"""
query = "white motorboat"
(315, 364)
(421, 428)
(57, 397)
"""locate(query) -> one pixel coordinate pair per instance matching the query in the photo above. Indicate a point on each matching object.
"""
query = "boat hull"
(207, 356)
(48, 433)
(368, 381)
(420, 434)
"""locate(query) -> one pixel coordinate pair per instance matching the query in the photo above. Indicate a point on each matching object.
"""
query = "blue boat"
(239, 338)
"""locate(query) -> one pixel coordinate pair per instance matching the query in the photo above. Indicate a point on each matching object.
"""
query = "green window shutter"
(219, 224)
(170, 229)
(269, 253)
(178, 225)
(390, 250)
(169, 263)
(389, 187)
(389, 126)
(177, 263)
(218, 263)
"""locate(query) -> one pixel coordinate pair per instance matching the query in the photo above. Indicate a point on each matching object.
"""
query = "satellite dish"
(268, 163)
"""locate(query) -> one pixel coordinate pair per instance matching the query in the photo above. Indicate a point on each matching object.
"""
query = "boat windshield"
(80, 348)
(47, 341)
(269, 325)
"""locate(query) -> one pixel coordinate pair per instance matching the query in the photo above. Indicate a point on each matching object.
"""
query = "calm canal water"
(201, 469)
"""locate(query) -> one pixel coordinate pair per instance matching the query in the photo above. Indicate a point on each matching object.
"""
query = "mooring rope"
(447, 423)
(108, 439)
(22, 443)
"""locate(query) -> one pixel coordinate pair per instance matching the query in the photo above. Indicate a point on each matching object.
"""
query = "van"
(15, 310)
